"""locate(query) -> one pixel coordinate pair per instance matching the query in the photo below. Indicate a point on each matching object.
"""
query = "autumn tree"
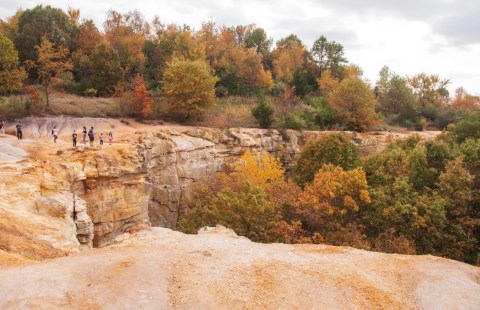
(189, 86)
(11, 74)
(288, 56)
(88, 38)
(140, 101)
(327, 83)
(336, 149)
(9, 26)
(465, 101)
(126, 33)
(354, 104)
(328, 207)
(53, 65)
(185, 47)
(431, 93)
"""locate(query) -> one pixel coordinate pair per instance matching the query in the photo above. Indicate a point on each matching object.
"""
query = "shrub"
(263, 113)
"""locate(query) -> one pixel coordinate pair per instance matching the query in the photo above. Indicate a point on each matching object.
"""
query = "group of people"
(90, 133)
(91, 136)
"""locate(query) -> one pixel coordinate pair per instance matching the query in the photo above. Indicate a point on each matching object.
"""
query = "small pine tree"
(263, 113)
(140, 102)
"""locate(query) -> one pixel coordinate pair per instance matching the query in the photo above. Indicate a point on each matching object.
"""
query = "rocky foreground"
(158, 268)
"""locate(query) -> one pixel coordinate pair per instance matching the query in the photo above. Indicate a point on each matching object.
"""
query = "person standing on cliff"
(91, 136)
(55, 133)
(101, 138)
(19, 130)
(84, 140)
(110, 138)
(2, 127)
(74, 138)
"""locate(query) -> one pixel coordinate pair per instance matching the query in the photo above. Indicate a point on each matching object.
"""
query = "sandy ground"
(162, 269)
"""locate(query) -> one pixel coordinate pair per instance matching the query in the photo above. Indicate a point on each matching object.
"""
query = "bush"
(334, 149)
(263, 113)
(467, 127)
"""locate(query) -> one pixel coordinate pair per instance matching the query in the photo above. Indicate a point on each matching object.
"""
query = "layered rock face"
(89, 195)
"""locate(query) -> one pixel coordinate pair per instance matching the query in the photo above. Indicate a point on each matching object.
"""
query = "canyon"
(56, 199)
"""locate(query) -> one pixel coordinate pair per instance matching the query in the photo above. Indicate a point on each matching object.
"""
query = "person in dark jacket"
(19, 127)
(74, 138)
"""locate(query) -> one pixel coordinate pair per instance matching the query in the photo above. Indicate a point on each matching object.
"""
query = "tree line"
(190, 68)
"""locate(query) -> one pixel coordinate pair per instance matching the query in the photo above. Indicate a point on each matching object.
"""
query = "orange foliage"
(32, 92)
(141, 103)
(465, 101)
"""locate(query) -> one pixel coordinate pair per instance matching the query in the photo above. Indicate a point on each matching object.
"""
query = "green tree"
(329, 55)
(189, 86)
(263, 113)
(460, 238)
(396, 99)
(354, 104)
(107, 73)
(334, 149)
(11, 74)
(467, 127)
(42, 21)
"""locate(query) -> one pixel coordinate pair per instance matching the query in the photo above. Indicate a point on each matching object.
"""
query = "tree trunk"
(46, 94)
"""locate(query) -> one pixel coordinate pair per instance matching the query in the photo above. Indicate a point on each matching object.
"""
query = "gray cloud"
(461, 29)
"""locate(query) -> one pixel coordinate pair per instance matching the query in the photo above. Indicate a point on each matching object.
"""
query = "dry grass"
(229, 116)
(63, 104)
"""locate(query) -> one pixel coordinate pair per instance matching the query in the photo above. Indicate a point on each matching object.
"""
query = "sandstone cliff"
(55, 199)
(162, 269)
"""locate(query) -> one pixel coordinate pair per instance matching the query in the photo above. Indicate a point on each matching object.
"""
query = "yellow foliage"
(327, 83)
(260, 169)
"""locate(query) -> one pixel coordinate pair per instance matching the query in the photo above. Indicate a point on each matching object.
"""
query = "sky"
(409, 36)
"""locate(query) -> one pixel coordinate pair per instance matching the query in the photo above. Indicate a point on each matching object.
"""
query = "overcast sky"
(408, 36)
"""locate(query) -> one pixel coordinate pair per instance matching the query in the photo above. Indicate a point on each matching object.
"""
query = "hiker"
(84, 139)
(55, 133)
(19, 130)
(2, 127)
(91, 136)
(101, 138)
(74, 138)
(110, 138)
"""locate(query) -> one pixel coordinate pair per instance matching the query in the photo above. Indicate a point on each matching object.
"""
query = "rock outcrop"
(62, 199)
(158, 268)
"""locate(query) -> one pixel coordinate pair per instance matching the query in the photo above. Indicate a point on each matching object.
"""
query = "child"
(74, 138)
(110, 138)
(2, 127)
(101, 138)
